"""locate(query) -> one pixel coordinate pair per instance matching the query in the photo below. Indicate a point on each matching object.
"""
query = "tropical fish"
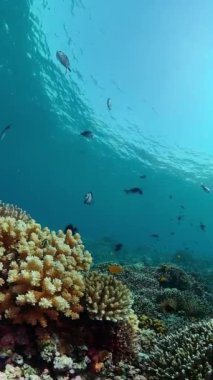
(134, 190)
(88, 198)
(4, 131)
(205, 188)
(109, 104)
(70, 227)
(63, 59)
(202, 226)
(115, 269)
(87, 134)
(118, 247)
(180, 217)
(44, 243)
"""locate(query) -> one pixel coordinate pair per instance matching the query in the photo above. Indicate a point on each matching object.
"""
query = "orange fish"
(115, 269)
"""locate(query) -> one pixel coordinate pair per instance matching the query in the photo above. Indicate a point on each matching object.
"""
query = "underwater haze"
(154, 60)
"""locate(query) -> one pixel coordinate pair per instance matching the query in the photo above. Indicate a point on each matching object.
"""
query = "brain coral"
(107, 298)
(40, 271)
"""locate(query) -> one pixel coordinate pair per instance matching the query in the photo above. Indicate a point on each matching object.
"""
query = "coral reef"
(187, 354)
(107, 298)
(7, 209)
(40, 272)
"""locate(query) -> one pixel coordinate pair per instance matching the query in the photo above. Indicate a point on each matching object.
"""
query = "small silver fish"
(63, 59)
(88, 198)
(109, 104)
(205, 188)
(4, 131)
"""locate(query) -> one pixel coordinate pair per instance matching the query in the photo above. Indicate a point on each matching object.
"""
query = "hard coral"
(40, 272)
(187, 354)
(107, 298)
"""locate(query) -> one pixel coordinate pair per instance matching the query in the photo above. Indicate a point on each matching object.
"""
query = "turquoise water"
(154, 60)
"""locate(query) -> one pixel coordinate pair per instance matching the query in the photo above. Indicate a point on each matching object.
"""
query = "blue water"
(154, 60)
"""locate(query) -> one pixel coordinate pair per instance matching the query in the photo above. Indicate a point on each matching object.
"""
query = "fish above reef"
(87, 134)
(134, 190)
(155, 235)
(4, 131)
(115, 269)
(202, 226)
(205, 188)
(180, 217)
(70, 227)
(118, 247)
(63, 59)
(109, 104)
(143, 176)
(88, 198)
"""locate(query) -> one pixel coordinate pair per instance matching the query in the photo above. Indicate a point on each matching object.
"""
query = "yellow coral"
(40, 271)
(107, 298)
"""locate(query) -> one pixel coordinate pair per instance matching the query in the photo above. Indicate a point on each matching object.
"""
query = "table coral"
(107, 298)
(40, 272)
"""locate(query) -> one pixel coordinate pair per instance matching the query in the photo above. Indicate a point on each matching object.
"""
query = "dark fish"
(134, 190)
(182, 206)
(44, 243)
(4, 131)
(202, 226)
(109, 104)
(87, 134)
(171, 196)
(88, 198)
(70, 227)
(180, 217)
(118, 247)
(205, 188)
(155, 235)
(143, 176)
(63, 59)
(172, 233)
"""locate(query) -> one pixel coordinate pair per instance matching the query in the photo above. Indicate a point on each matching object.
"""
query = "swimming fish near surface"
(88, 198)
(109, 104)
(87, 134)
(72, 228)
(205, 188)
(63, 59)
(4, 131)
(134, 190)
(118, 247)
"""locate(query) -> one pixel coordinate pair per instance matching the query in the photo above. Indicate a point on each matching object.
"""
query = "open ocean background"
(154, 59)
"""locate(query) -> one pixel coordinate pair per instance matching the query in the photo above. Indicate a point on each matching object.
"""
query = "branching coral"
(7, 209)
(107, 298)
(187, 354)
(40, 272)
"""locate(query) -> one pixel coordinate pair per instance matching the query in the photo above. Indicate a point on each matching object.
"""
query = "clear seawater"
(154, 59)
